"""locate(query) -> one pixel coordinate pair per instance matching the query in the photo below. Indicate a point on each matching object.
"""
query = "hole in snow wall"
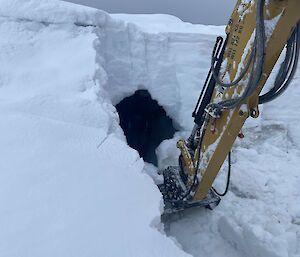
(145, 124)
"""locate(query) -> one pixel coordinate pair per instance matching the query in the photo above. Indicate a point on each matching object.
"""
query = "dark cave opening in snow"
(145, 124)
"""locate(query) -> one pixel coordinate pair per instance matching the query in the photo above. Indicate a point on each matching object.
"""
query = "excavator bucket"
(175, 196)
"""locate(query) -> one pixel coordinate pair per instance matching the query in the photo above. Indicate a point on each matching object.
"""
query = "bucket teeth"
(174, 193)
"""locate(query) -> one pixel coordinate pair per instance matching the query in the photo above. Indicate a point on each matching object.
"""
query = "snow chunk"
(52, 12)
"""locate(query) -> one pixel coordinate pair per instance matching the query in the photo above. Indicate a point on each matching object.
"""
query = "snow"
(70, 185)
(163, 23)
(47, 11)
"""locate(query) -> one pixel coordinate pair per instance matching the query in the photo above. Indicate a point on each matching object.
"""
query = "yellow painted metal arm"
(281, 17)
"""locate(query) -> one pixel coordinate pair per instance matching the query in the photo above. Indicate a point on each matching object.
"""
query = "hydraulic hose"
(287, 70)
(256, 59)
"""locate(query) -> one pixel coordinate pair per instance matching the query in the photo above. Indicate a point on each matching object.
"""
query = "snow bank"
(47, 11)
(163, 23)
(70, 186)
(260, 215)
(168, 64)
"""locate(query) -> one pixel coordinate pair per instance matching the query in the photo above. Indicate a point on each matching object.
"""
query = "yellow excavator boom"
(256, 35)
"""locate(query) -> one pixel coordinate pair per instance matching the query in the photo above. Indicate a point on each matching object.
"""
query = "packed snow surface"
(70, 185)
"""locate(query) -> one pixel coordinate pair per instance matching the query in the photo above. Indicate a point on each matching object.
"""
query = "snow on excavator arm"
(257, 34)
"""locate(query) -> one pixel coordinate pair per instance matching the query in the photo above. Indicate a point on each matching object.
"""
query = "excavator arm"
(256, 35)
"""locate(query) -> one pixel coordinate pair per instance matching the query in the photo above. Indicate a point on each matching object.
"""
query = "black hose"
(235, 82)
(228, 178)
(287, 70)
(257, 61)
(216, 53)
